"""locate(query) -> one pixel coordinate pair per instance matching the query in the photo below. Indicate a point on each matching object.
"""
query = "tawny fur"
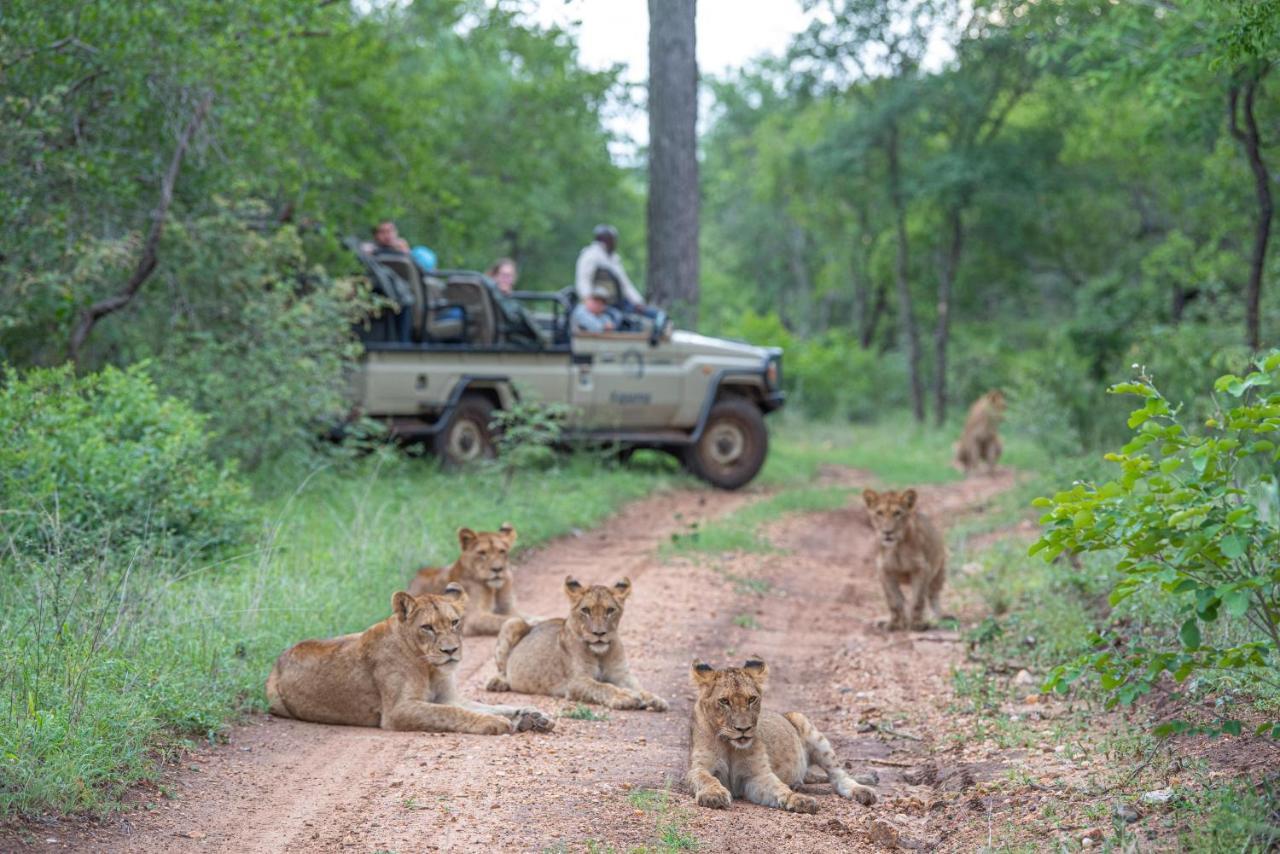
(397, 675)
(910, 551)
(980, 441)
(483, 569)
(737, 750)
(579, 657)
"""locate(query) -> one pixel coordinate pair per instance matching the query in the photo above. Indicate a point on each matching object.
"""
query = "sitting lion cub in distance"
(736, 750)
(979, 442)
(484, 572)
(909, 551)
(397, 674)
(579, 657)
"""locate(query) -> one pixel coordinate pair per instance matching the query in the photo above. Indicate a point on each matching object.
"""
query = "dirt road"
(810, 609)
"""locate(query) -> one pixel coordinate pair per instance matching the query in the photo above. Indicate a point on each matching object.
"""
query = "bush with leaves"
(527, 432)
(1195, 523)
(104, 457)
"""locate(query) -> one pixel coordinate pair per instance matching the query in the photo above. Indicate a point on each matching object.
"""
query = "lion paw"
(494, 725)
(654, 703)
(532, 719)
(796, 802)
(717, 798)
(498, 683)
(864, 795)
(627, 700)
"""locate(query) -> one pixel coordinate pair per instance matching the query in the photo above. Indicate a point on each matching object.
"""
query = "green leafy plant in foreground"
(1195, 520)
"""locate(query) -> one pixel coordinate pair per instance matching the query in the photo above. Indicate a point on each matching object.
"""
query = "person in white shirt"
(599, 264)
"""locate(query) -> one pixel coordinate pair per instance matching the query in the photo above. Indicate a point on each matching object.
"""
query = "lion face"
(432, 624)
(484, 555)
(729, 699)
(995, 401)
(890, 512)
(596, 611)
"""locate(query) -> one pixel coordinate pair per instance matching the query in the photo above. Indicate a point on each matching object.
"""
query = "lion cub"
(579, 657)
(979, 442)
(484, 572)
(397, 674)
(737, 750)
(909, 551)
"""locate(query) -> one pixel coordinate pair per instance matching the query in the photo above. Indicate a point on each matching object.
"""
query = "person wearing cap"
(600, 266)
(593, 313)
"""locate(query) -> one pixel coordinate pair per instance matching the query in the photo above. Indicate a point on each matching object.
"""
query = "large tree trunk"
(906, 312)
(867, 335)
(673, 158)
(942, 332)
(1250, 140)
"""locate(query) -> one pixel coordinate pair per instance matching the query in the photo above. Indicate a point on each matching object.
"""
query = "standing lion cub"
(909, 550)
(579, 657)
(483, 569)
(738, 751)
(396, 674)
(980, 442)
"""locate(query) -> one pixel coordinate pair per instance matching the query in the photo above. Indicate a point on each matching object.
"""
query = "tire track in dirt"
(288, 786)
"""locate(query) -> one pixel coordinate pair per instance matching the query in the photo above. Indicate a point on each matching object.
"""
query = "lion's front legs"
(919, 598)
(589, 690)
(421, 716)
(897, 604)
(769, 791)
(708, 791)
(523, 717)
(626, 681)
(483, 623)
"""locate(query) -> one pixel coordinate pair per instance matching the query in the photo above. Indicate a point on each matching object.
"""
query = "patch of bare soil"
(813, 609)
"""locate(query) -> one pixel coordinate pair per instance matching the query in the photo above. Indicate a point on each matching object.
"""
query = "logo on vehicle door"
(636, 359)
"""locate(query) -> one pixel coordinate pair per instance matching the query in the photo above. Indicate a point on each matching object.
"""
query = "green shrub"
(1194, 520)
(105, 457)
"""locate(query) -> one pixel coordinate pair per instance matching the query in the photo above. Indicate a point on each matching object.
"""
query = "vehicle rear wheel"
(466, 437)
(733, 445)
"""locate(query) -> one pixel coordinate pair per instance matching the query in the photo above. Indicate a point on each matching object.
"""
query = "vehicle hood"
(704, 345)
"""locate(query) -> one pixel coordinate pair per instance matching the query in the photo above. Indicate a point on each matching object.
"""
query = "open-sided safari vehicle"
(473, 350)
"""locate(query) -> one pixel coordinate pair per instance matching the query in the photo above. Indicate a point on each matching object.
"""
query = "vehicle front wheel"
(733, 445)
(466, 436)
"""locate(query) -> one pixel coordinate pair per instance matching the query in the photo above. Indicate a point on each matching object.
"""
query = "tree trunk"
(867, 335)
(942, 332)
(1250, 140)
(907, 317)
(147, 261)
(672, 278)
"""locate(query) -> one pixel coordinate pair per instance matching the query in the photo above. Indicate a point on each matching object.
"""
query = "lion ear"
(402, 605)
(757, 670)
(870, 497)
(456, 595)
(702, 673)
(622, 588)
(909, 498)
(508, 531)
(467, 538)
(573, 588)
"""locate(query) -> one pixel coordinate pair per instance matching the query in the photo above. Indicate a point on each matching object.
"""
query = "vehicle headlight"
(772, 373)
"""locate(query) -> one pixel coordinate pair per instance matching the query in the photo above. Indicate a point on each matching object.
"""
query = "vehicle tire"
(466, 437)
(733, 444)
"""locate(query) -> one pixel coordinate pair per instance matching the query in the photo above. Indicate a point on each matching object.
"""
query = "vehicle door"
(623, 383)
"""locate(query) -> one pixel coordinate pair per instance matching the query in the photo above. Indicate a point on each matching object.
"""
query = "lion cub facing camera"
(909, 550)
(736, 750)
(579, 657)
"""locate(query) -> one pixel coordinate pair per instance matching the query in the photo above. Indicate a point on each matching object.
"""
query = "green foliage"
(107, 458)
(527, 432)
(1192, 518)
(583, 712)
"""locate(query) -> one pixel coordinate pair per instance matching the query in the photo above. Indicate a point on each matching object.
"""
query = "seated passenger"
(387, 240)
(598, 263)
(593, 313)
(504, 274)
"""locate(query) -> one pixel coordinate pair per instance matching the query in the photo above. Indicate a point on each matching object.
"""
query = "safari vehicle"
(474, 351)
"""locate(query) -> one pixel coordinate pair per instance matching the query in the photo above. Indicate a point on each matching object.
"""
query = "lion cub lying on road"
(736, 750)
(397, 674)
(909, 551)
(483, 571)
(579, 657)
(980, 443)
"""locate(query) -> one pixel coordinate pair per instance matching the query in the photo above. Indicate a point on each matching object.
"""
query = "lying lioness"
(483, 569)
(736, 750)
(578, 658)
(397, 674)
